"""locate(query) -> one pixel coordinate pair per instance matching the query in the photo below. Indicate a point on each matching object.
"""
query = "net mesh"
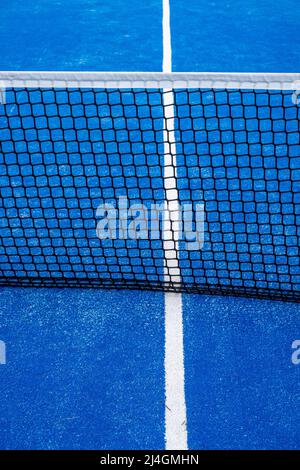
(66, 151)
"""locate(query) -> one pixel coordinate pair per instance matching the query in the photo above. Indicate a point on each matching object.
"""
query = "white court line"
(175, 407)
(167, 47)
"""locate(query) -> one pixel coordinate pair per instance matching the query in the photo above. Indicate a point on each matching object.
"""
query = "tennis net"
(98, 171)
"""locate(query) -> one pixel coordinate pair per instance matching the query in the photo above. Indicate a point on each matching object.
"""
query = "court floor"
(85, 368)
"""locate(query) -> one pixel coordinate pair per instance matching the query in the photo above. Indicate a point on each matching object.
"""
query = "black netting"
(64, 152)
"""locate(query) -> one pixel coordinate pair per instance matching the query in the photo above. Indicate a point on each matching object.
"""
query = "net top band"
(269, 81)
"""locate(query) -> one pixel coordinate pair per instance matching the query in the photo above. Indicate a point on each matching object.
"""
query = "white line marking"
(167, 48)
(175, 406)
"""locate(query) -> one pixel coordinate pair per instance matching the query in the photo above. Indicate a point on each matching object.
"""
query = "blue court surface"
(85, 368)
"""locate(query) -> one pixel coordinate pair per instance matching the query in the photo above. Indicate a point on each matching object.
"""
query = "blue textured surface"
(84, 369)
(81, 35)
(241, 385)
